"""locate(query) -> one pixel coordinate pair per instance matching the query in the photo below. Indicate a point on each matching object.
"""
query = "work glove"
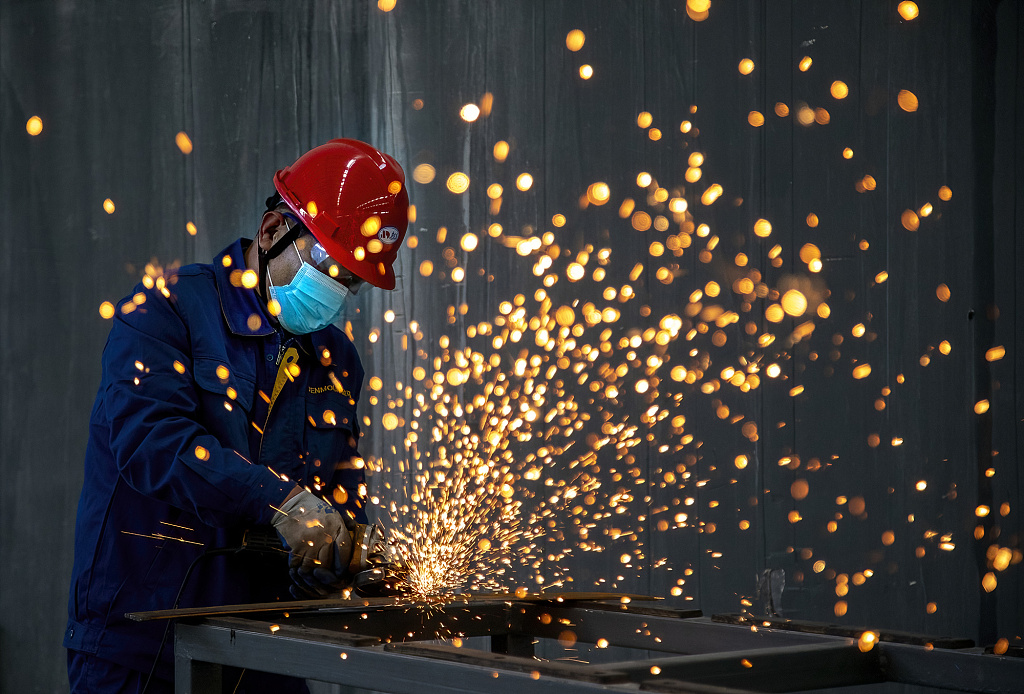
(318, 541)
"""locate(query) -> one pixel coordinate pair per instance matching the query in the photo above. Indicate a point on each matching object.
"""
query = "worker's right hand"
(319, 543)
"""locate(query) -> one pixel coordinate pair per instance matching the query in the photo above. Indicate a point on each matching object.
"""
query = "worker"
(227, 404)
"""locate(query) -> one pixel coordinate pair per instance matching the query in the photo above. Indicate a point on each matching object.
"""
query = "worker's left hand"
(322, 582)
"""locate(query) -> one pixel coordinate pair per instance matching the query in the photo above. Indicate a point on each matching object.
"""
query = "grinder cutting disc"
(376, 567)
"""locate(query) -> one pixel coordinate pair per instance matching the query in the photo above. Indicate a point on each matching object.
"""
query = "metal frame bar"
(623, 627)
(961, 670)
(197, 646)
(382, 648)
(852, 632)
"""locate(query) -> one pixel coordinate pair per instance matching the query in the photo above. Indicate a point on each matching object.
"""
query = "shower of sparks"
(462, 527)
(523, 409)
(566, 422)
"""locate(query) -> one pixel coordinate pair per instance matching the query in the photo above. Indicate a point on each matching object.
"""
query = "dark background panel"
(67, 257)
(1008, 211)
(254, 84)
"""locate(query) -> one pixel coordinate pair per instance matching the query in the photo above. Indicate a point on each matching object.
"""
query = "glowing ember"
(995, 354)
(424, 173)
(867, 641)
(908, 10)
(862, 371)
(598, 193)
(574, 40)
(184, 142)
(907, 100)
(458, 183)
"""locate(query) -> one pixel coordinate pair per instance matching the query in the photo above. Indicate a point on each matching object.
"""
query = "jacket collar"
(239, 304)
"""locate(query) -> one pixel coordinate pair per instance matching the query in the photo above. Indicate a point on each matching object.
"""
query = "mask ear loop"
(277, 249)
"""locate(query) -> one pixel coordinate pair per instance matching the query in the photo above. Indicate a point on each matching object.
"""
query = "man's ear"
(271, 228)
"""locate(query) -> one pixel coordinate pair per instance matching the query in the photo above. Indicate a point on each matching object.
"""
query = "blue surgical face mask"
(310, 302)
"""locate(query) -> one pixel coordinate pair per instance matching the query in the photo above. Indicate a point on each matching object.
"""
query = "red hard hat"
(352, 197)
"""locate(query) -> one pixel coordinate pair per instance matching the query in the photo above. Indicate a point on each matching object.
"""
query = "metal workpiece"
(396, 623)
(420, 648)
(320, 605)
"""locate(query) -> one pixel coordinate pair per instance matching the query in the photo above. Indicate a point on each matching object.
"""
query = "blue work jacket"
(207, 416)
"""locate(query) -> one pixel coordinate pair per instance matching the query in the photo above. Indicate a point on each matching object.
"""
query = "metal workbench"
(392, 647)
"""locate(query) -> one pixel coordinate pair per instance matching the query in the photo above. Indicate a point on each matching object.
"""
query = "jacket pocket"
(217, 380)
(330, 442)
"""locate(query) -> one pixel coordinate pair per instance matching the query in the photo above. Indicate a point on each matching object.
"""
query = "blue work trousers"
(88, 674)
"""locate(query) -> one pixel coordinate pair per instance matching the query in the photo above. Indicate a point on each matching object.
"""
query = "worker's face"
(306, 250)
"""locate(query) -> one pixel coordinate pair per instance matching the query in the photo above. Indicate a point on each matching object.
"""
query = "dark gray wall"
(254, 83)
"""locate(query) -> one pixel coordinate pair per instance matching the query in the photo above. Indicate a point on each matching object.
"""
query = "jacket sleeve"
(158, 440)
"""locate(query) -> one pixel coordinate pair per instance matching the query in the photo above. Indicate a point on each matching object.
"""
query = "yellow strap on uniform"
(286, 371)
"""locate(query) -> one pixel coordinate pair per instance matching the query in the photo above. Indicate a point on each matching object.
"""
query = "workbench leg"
(196, 677)
(512, 644)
